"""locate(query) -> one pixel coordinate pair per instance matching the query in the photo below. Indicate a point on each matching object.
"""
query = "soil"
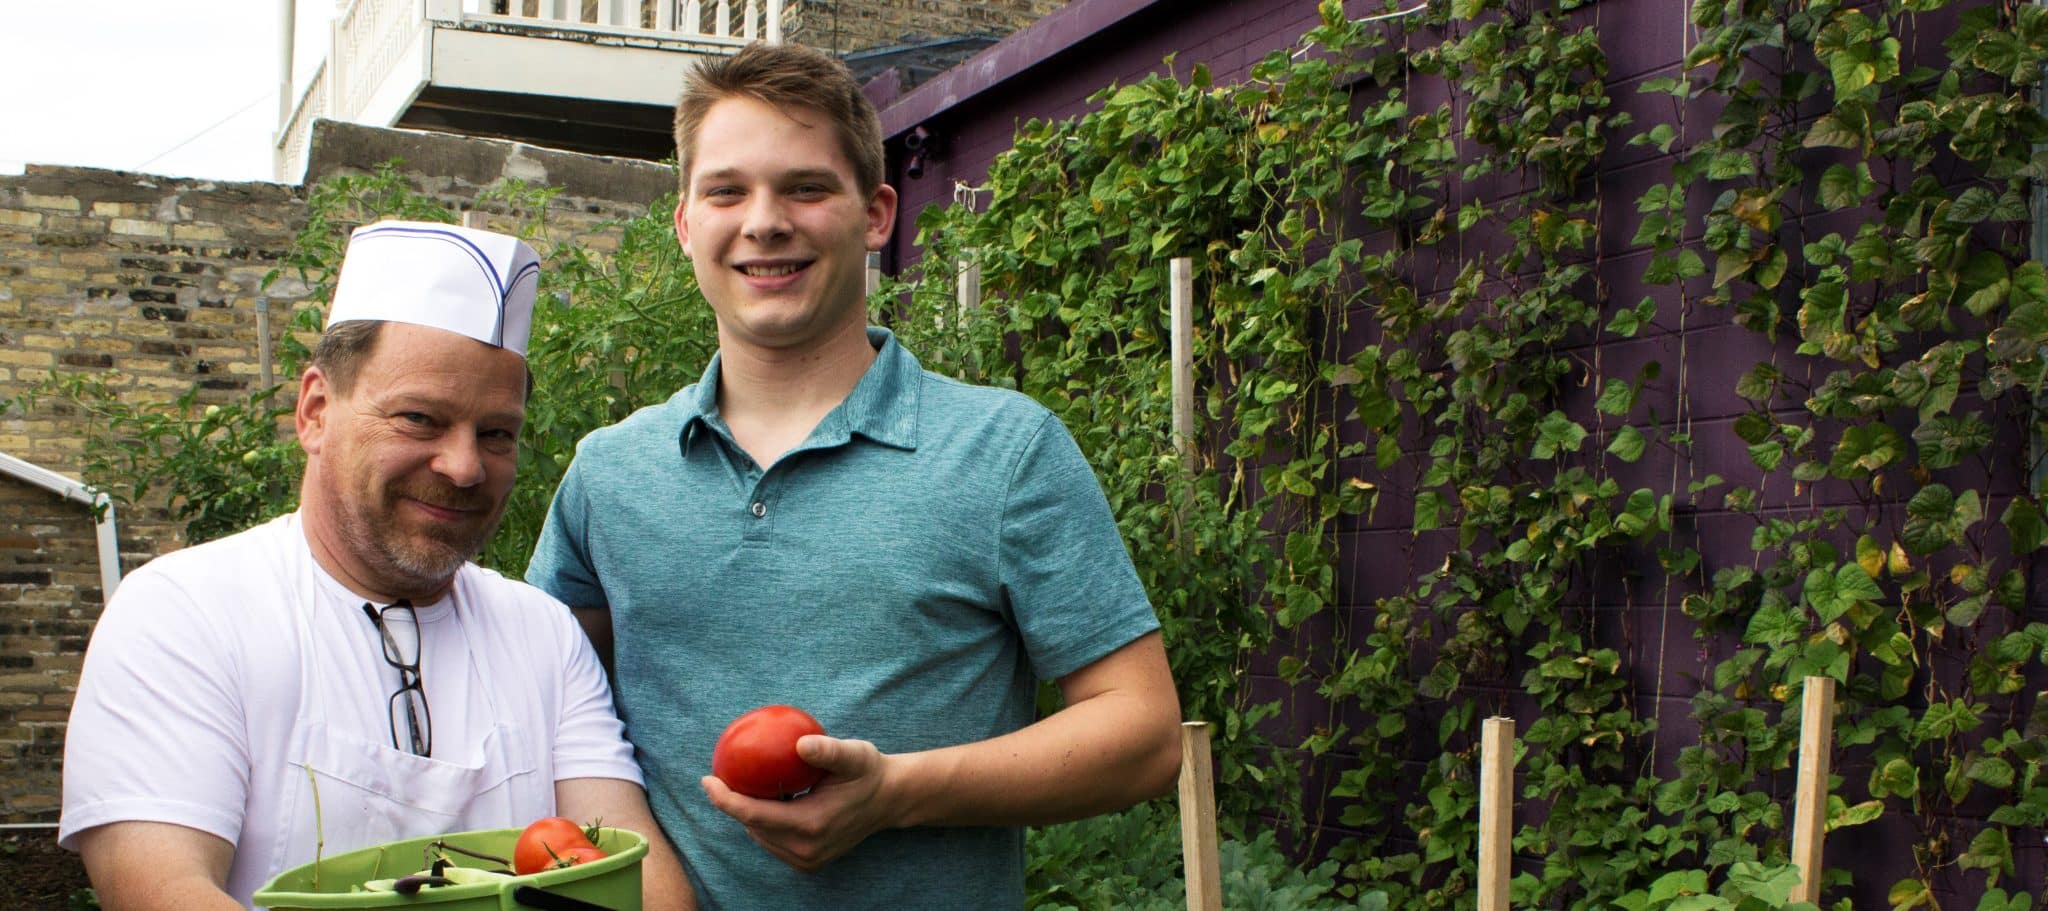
(36, 875)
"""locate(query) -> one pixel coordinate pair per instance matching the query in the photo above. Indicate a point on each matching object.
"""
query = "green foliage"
(1131, 861)
(222, 467)
(1315, 202)
(1365, 320)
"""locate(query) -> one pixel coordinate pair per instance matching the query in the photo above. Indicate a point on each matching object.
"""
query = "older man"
(342, 676)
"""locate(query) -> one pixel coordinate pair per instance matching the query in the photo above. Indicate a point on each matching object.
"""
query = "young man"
(820, 522)
(342, 676)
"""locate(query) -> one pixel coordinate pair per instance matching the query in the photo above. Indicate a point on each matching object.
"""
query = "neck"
(772, 398)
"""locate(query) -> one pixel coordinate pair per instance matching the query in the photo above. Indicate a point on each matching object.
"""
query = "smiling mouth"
(774, 270)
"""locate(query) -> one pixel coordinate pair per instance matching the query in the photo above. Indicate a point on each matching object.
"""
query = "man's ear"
(314, 409)
(682, 224)
(881, 216)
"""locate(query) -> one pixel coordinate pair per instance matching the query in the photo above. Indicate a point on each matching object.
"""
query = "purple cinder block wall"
(969, 115)
(1047, 72)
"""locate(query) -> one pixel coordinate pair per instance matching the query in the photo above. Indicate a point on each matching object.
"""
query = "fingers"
(839, 758)
(794, 831)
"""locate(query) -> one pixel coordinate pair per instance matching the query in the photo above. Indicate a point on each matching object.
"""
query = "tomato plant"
(756, 755)
(547, 842)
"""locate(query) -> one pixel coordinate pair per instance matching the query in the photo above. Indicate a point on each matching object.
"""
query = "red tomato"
(544, 841)
(578, 855)
(756, 755)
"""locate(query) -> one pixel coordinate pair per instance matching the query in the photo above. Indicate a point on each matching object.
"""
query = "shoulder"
(502, 598)
(517, 609)
(662, 420)
(224, 557)
(956, 406)
(223, 573)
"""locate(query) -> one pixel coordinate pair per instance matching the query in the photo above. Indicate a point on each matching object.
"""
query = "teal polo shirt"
(906, 575)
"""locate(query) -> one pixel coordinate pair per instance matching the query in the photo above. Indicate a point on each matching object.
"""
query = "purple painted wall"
(1047, 72)
(970, 114)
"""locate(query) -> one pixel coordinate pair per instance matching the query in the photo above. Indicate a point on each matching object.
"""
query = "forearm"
(623, 804)
(180, 894)
(1095, 757)
(1116, 743)
(664, 885)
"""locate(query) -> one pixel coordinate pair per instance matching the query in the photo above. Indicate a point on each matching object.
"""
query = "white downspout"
(77, 492)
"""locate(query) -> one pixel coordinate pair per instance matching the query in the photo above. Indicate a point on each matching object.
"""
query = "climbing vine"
(1408, 320)
(1469, 442)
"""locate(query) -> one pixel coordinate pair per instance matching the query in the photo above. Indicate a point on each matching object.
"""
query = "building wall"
(855, 25)
(158, 279)
(1098, 43)
(970, 115)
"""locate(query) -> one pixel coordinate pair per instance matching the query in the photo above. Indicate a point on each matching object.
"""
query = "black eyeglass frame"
(420, 732)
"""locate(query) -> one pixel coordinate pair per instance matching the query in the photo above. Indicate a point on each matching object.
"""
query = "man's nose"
(767, 218)
(460, 459)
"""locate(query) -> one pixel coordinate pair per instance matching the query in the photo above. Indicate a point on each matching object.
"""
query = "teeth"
(770, 271)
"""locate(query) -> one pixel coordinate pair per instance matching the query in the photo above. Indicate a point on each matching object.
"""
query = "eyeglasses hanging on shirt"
(410, 701)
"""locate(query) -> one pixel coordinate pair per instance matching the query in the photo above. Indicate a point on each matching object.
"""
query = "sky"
(179, 88)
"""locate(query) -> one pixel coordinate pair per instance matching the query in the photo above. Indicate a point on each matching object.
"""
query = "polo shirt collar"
(882, 406)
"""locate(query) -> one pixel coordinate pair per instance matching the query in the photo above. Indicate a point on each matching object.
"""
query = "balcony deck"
(596, 76)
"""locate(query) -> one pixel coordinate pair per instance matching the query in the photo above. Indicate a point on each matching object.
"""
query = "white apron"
(370, 793)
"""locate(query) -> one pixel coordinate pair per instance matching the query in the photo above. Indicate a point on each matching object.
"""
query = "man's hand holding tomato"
(851, 803)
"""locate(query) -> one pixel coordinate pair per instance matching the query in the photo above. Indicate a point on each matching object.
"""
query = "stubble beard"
(411, 560)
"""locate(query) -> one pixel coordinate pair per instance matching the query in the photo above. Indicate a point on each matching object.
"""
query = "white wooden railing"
(729, 20)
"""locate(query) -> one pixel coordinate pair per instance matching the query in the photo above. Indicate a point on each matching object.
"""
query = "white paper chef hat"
(477, 283)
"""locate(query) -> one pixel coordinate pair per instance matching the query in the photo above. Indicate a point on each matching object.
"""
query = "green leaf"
(1907, 894)
(1992, 772)
(1729, 266)
(1819, 592)
(1853, 582)
(1639, 515)
(1841, 188)
(1616, 398)
(1865, 812)
(1834, 130)
(1429, 506)
(1991, 850)
(1972, 206)
(2024, 520)
(1931, 520)
(1556, 434)
(1730, 164)
(1628, 444)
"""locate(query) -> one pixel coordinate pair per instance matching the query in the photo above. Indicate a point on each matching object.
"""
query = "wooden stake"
(1496, 811)
(1198, 819)
(968, 292)
(1181, 311)
(1810, 809)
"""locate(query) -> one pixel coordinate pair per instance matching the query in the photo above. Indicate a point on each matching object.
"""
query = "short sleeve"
(561, 563)
(590, 742)
(1063, 566)
(157, 730)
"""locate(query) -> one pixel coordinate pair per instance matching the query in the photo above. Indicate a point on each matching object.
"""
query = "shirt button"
(760, 510)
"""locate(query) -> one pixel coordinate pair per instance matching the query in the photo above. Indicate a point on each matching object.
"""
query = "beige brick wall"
(158, 278)
(857, 25)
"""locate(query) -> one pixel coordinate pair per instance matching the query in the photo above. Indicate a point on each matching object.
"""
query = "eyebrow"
(813, 174)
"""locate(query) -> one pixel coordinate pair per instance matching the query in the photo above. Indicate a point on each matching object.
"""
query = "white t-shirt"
(223, 681)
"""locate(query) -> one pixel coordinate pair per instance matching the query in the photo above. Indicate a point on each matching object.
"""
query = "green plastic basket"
(609, 884)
